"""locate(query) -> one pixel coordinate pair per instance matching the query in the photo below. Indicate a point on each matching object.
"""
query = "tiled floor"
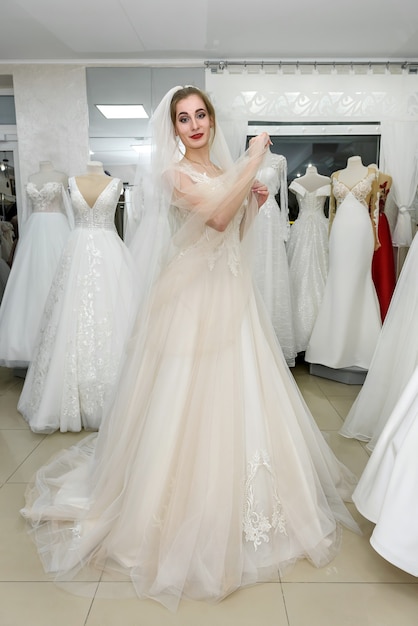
(357, 589)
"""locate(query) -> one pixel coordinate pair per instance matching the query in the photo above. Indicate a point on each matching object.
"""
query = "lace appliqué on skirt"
(256, 524)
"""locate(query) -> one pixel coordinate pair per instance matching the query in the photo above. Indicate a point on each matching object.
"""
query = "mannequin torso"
(91, 184)
(47, 174)
(353, 173)
(311, 180)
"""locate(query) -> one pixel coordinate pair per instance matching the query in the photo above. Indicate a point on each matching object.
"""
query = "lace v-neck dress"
(209, 472)
(348, 324)
(85, 322)
(42, 240)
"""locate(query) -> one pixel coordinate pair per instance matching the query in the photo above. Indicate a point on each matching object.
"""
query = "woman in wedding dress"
(307, 251)
(271, 270)
(394, 360)
(86, 318)
(209, 472)
(42, 237)
(348, 324)
(387, 491)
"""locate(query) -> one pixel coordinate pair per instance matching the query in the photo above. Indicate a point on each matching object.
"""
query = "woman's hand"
(260, 191)
(259, 144)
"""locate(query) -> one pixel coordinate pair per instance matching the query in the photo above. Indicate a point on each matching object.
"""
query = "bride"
(209, 473)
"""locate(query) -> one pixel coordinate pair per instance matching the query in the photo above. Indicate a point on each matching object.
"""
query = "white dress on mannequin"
(394, 360)
(348, 324)
(271, 272)
(307, 251)
(387, 491)
(42, 238)
(86, 319)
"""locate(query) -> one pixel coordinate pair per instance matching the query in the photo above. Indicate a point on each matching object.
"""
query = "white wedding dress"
(85, 323)
(387, 491)
(307, 251)
(41, 242)
(348, 324)
(271, 266)
(209, 472)
(394, 360)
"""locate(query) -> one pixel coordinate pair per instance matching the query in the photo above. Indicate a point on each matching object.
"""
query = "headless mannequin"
(47, 174)
(354, 172)
(311, 180)
(91, 184)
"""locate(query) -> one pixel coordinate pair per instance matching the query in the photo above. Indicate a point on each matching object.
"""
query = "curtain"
(399, 159)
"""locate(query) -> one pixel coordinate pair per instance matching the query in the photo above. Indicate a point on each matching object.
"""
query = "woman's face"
(193, 122)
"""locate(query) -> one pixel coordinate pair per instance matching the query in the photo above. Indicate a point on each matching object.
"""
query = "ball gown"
(347, 328)
(209, 472)
(387, 491)
(41, 242)
(394, 359)
(307, 251)
(84, 326)
(271, 266)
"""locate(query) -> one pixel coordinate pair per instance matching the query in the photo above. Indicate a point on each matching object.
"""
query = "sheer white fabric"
(387, 491)
(399, 157)
(347, 328)
(271, 270)
(307, 251)
(208, 472)
(86, 319)
(37, 255)
(394, 360)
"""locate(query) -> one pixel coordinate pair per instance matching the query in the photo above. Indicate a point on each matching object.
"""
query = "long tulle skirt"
(208, 473)
(37, 256)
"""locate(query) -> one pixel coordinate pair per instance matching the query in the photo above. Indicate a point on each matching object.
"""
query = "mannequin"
(93, 182)
(86, 317)
(311, 180)
(48, 174)
(43, 231)
(307, 252)
(348, 323)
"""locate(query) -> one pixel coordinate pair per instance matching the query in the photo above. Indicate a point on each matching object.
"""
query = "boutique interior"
(333, 266)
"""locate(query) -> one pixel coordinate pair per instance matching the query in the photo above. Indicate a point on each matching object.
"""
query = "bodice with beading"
(102, 213)
(47, 199)
(361, 190)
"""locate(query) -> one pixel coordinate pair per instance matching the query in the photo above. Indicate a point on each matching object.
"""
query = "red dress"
(383, 264)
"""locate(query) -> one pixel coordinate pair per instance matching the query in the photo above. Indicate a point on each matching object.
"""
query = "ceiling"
(157, 33)
(205, 29)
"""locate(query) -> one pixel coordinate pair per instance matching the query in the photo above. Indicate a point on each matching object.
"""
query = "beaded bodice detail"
(102, 213)
(361, 190)
(47, 199)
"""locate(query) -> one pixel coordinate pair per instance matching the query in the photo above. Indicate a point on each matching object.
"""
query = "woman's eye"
(201, 115)
(183, 119)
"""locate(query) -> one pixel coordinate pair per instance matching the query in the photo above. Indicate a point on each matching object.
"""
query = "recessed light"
(122, 111)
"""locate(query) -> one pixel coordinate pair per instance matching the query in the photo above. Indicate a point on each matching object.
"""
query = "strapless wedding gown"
(84, 327)
(41, 242)
(307, 251)
(209, 472)
(348, 324)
